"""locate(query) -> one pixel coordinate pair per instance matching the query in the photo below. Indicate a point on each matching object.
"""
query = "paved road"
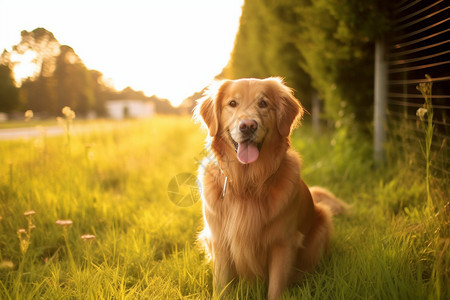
(26, 133)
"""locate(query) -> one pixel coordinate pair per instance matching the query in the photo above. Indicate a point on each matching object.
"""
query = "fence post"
(380, 99)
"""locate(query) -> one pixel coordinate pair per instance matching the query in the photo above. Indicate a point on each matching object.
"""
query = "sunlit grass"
(23, 124)
(112, 185)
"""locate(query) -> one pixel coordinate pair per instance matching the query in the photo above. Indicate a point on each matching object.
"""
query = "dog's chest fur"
(243, 225)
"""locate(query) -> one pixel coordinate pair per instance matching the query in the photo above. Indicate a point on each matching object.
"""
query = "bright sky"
(171, 48)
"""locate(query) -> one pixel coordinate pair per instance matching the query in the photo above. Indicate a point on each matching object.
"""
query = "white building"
(128, 108)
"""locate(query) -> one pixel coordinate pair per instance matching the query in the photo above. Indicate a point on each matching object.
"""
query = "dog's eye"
(262, 104)
(232, 103)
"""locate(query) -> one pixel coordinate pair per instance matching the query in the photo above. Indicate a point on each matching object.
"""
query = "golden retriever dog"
(260, 218)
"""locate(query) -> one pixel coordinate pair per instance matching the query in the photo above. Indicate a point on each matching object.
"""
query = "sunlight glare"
(170, 48)
(24, 65)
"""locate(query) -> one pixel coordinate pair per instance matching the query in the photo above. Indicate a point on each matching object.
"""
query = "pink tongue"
(247, 153)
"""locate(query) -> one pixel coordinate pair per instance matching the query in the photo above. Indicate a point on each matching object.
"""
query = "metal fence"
(419, 45)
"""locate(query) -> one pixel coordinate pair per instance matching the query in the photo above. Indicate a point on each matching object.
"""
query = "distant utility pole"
(380, 99)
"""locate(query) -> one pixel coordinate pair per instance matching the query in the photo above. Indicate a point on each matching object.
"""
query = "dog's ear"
(209, 107)
(289, 110)
(205, 111)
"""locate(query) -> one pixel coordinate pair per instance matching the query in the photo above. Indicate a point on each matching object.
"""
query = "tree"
(337, 41)
(324, 46)
(100, 91)
(9, 96)
(60, 78)
(42, 45)
(40, 94)
(265, 46)
(74, 82)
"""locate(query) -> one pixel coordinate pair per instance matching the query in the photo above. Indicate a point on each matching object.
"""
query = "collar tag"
(224, 188)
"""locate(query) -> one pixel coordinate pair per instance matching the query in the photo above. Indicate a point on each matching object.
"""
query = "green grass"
(112, 181)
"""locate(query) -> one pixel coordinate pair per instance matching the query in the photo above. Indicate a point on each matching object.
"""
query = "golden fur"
(261, 220)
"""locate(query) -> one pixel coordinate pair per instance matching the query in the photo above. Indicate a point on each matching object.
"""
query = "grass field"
(112, 182)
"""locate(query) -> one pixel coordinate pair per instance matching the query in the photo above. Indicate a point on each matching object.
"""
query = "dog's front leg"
(280, 269)
(224, 271)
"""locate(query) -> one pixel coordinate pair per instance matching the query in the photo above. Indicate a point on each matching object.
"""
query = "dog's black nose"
(248, 126)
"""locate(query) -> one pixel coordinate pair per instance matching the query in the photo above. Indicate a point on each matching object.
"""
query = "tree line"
(322, 48)
(59, 79)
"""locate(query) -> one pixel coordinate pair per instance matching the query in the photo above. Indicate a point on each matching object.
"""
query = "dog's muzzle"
(247, 150)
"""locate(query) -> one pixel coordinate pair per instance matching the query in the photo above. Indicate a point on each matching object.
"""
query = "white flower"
(87, 237)
(421, 113)
(64, 222)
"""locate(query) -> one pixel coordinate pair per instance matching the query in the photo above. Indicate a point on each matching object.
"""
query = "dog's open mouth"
(247, 151)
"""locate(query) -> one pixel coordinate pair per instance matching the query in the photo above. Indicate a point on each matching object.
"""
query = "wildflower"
(424, 88)
(64, 223)
(24, 240)
(68, 113)
(421, 113)
(29, 215)
(87, 237)
(28, 115)
(24, 235)
(6, 264)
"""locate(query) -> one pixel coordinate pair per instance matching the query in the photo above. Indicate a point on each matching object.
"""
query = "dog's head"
(246, 113)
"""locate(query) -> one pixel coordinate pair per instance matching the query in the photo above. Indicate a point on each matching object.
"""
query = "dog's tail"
(325, 197)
